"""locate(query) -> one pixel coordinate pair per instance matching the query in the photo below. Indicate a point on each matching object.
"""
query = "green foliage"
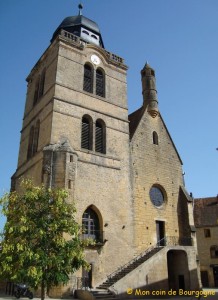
(41, 244)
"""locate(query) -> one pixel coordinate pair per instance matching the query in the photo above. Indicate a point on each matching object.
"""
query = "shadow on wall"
(183, 215)
(160, 289)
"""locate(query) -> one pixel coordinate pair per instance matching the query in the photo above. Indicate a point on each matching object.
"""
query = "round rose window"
(156, 196)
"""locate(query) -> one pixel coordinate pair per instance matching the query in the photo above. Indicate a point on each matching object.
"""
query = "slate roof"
(134, 119)
(69, 23)
(206, 212)
(79, 20)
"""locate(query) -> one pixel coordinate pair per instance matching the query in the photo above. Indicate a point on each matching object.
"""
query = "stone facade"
(206, 222)
(138, 164)
(152, 276)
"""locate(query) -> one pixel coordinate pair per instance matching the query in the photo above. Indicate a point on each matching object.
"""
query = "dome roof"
(74, 24)
(79, 20)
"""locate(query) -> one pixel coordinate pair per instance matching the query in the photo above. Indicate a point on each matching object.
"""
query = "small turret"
(149, 91)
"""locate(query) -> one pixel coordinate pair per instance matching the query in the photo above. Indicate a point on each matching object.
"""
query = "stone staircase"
(130, 266)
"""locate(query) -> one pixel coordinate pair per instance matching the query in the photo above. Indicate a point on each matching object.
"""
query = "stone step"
(103, 294)
(127, 269)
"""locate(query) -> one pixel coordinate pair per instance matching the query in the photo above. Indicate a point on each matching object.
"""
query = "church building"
(122, 171)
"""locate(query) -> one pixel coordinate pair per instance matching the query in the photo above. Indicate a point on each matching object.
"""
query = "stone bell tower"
(123, 173)
(75, 135)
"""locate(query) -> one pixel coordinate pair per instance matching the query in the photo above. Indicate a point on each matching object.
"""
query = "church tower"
(75, 135)
(123, 173)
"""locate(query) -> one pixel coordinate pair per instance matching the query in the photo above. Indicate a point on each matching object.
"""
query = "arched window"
(100, 83)
(86, 136)
(100, 137)
(88, 79)
(33, 140)
(155, 138)
(91, 225)
(39, 87)
(214, 251)
(36, 137)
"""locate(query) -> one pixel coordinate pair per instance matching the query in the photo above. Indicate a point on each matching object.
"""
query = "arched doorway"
(178, 271)
(92, 224)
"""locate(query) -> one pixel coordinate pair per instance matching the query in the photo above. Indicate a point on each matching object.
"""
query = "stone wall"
(152, 277)
(204, 244)
(160, 165)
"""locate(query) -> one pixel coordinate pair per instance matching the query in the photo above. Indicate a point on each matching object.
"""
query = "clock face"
(95, 59)
(156, 196)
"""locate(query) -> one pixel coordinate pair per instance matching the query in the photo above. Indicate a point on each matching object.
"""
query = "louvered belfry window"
(36, 137)
(100, 90)
(88, 79)
(33, 140)
(39, 87)
(86, 134)
(30, 144)
(99, 137)
(41, 84)
(36, 93)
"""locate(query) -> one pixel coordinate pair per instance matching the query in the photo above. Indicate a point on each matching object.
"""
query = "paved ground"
(215, 297)
(206, 296)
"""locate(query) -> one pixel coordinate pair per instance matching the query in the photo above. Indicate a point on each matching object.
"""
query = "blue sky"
(179, 39)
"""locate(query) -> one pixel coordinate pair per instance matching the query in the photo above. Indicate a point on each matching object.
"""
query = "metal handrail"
(131, 262)
(166, 241)
(178, 241)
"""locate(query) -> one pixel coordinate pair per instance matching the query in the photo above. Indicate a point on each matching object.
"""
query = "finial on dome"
(80, 6)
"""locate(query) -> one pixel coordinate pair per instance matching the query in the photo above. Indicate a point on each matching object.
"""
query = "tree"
(41, 244)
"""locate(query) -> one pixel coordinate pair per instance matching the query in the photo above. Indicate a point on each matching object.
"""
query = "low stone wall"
(84, 295)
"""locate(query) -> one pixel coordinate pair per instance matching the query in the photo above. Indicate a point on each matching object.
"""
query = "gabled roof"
(188, 197)
(134, 120)
(206, 211)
